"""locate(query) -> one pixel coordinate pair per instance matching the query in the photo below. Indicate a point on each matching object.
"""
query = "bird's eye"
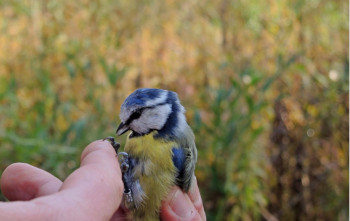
(135, 115)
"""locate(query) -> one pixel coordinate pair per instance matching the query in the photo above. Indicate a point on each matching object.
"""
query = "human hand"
(92, 192)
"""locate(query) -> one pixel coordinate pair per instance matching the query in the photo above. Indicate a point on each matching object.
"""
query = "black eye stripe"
(134, 116)
(137, 113)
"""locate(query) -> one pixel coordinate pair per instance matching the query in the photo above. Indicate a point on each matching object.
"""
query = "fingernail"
(181, 205)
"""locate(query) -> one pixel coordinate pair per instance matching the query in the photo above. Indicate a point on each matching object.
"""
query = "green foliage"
(266, 93)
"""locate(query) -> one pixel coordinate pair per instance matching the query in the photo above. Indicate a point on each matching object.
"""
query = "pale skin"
(92, 192)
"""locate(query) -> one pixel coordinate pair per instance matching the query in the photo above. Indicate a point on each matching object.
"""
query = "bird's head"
(148, 109)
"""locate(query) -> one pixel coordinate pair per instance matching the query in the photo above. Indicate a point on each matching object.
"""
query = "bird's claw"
(124, 155)
(124, 161)
(114, 144)
(124, 167)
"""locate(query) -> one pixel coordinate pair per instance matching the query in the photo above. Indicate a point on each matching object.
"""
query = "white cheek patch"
(153, 118)
(181, 122)
(181, 118)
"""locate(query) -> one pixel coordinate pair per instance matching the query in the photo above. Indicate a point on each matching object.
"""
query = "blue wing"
(179, 158)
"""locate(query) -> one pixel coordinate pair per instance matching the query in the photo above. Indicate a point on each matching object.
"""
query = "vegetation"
(265, 85)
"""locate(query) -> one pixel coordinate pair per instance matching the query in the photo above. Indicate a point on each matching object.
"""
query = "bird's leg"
(124, 166)
(114, 144)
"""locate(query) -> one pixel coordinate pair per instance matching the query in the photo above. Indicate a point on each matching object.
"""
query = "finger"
(119, 215)
(196, 198)
(92, 192)
(178, 206)
(98, 181)
(22, 181)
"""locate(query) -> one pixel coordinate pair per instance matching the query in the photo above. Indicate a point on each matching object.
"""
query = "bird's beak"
(122, 129)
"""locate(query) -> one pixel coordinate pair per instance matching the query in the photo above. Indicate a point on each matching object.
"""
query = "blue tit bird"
(160, 150)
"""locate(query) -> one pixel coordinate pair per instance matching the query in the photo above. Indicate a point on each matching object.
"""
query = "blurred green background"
(265, 85)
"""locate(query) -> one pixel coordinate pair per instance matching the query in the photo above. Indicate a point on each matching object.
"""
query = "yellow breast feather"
(155, 171)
